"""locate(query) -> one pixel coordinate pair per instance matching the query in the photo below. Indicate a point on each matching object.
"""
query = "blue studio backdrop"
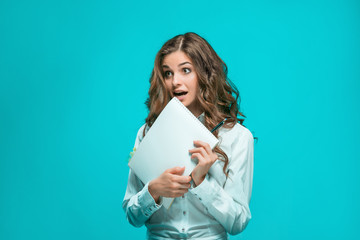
(74, 79)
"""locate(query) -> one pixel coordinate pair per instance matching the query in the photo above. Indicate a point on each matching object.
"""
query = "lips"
(180, 93)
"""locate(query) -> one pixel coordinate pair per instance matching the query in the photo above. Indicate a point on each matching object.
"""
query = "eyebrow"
(166, 66)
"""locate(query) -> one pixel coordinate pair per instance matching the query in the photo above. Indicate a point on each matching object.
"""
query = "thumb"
(177, 170)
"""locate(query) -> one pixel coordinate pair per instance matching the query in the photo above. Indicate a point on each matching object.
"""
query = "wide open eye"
(168, 74)
(186, 70)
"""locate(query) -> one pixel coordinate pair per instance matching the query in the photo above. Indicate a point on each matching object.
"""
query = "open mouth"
(178, 94)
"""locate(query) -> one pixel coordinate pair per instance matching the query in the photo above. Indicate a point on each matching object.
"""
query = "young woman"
(215, 199)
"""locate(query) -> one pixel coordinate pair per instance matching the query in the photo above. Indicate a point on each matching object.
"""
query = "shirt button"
(184, 212)
(183, 229)
(183, 196)
(200, 198)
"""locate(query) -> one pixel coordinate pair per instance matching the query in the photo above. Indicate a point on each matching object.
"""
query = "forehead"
(175, 58)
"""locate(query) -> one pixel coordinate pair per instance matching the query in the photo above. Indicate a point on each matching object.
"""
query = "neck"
(195, 109)
(197, 112)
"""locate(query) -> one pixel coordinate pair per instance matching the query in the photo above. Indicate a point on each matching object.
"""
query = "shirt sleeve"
(229, 204)
(138, 203)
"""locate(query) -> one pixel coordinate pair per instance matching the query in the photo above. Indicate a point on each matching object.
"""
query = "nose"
(176, 81)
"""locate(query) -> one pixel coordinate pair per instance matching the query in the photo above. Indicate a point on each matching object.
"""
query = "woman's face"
(181, 80)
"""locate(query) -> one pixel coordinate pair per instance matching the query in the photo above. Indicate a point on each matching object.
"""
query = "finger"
(184, 186)
(176, 170)
(182, 190)
(210, 154)
(181, 179)
(200, 150)
(179, 193)
(205, 145)
(179, 189)
(199, 157)
(214, 157)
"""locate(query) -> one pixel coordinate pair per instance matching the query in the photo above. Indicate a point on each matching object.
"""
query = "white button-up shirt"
(219, 205)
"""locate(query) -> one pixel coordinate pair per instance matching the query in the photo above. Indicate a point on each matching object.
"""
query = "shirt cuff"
(149, 206)
(203, 191)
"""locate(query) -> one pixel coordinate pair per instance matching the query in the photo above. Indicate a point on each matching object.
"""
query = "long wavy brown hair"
(218, 97)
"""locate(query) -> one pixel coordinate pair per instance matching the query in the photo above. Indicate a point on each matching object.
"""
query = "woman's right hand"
(170, 183)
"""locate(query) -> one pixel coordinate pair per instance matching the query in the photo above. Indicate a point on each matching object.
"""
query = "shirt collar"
(201, 118)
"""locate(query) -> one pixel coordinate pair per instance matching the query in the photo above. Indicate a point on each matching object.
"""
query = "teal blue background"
(74, 78)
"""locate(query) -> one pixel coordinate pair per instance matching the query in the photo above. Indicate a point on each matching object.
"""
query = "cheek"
(194, 85)
(168, 85)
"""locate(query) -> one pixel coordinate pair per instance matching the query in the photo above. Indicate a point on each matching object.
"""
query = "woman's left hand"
(206, 158)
